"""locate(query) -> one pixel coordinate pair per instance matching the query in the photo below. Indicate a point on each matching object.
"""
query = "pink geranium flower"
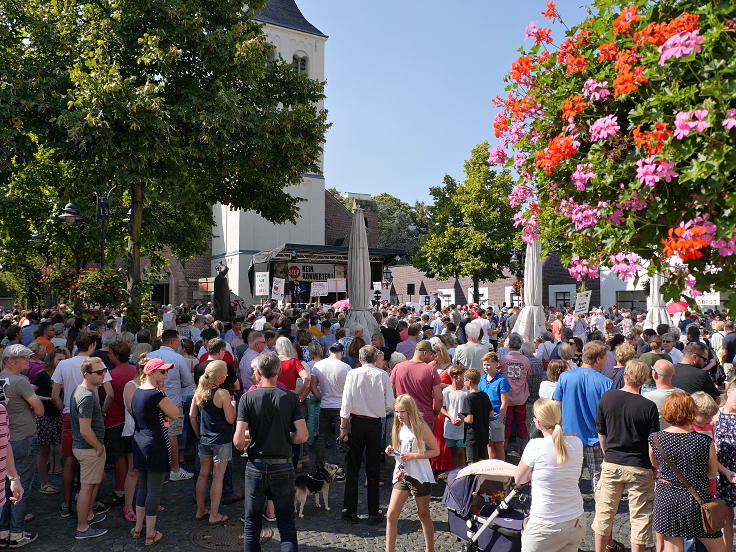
(603, 128)
(680, 45)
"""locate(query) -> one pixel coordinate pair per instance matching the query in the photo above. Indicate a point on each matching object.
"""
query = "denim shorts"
(219, 453)
(455, 443)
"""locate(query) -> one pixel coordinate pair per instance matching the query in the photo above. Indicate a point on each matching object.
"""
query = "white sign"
(319, 289)
(262, 284)
(277, 289)
(337, 285)
(377, 285)
(310, 272)
(582, 302)
(710, 299)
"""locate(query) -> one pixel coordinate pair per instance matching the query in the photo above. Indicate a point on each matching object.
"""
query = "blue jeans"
(269, 481)
(25, 453)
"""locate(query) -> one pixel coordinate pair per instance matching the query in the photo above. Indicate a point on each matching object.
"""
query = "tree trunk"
(134, 253)
(476, 290)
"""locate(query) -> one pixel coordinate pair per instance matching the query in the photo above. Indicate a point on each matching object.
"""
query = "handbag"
(715, 513)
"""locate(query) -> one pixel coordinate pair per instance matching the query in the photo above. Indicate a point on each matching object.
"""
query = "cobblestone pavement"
(318, 530)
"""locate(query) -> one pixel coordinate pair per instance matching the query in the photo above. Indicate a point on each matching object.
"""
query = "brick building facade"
(558, 287)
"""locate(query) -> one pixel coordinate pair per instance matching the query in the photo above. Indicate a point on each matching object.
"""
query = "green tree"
(400, 226)
(471, 230)
(182, 104)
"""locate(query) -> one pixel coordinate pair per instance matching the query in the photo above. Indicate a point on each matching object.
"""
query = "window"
(562, 299)
(631, 300)
(300, 62)
(515, 300)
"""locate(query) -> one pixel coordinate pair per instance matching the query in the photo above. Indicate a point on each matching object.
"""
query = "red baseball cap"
(156, 364)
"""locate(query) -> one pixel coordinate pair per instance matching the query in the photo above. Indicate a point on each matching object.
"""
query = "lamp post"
(71, 215)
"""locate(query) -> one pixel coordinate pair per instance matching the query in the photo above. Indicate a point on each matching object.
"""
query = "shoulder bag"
(715, 513)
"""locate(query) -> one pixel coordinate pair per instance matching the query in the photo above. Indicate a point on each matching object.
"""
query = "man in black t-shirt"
(216, 349)
(689, 374)
(624, 421)
(729, 341)
(274, 420)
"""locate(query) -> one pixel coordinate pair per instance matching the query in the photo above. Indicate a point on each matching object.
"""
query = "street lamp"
(387, 276)
(70, 214)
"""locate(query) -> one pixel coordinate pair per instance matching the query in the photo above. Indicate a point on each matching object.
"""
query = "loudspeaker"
(410, 289)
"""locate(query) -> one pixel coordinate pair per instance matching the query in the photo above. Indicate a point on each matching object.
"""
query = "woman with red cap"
(151, 409)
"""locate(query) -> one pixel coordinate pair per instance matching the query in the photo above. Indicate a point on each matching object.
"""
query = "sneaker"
(268, 518)
(90, 533)
(100, 508)
(21, 539)
(4, 536)
(97, 519)
(181, 475)
(65, 511)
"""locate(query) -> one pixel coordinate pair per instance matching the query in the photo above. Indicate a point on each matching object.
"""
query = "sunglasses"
(164, 372)
(98, 372)
(705, 358)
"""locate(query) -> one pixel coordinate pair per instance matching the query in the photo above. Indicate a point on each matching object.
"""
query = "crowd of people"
(293, 389)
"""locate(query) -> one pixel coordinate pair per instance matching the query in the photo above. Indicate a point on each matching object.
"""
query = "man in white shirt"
(198, 324)
(668, 346)
(485, 325)
(328, 382)
(178, 378)
(366, 398)
(662, 372)
(256, 345)
(67, 377)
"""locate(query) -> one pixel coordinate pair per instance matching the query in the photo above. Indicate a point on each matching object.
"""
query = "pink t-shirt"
(418, 380)
(515, 367)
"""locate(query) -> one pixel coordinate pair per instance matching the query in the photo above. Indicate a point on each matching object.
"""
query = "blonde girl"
(212, 415)
(552, 463)
(413, 444)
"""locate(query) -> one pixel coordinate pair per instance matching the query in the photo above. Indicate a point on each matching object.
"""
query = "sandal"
(135, 534)
(223, 519)
(200, 518)
(49, 489)
(615, 546)
(157, 538)
(128, 514)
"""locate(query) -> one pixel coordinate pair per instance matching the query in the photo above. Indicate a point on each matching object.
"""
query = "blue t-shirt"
(580, 391)
(493, 389)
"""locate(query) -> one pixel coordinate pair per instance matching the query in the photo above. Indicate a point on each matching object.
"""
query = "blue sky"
(410, 83)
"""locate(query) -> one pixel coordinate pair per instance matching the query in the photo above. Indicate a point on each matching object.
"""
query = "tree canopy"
(182, 104)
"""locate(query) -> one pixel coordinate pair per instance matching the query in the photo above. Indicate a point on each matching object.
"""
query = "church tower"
(240, 234)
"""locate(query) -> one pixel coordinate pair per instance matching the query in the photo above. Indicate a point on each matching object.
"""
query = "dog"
(316, 483)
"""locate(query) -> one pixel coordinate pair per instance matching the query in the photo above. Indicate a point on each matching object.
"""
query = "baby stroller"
(477, 498)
